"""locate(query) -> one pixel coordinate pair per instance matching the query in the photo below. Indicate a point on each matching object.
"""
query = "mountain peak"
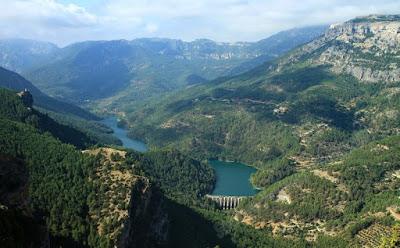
(376, 18)
(367, 48)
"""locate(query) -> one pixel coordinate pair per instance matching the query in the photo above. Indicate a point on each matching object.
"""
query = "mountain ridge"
(320, 123)
(309, 124)
(132, 70)
(12, 80)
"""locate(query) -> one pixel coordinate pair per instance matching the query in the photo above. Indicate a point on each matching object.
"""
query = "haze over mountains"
(134, 70)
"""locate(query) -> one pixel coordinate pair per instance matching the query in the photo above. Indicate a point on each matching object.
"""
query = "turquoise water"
(233, 178)
(122, 134)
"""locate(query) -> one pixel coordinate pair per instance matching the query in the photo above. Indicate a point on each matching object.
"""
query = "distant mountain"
(14, 81)
(340, 79)
(21, 54)
(278, 44)
(129, 71)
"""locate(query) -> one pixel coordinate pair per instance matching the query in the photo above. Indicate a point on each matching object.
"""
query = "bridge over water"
(226, 202)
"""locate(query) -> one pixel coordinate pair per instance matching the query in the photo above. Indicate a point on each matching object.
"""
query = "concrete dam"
(226, 202)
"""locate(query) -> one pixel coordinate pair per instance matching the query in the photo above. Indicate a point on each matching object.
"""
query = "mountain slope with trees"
(130, 71)
(295, 117)
(14, 81)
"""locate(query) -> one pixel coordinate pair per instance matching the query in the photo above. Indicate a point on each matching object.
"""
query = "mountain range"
(315, 110)
(309, 121)
(134, 70)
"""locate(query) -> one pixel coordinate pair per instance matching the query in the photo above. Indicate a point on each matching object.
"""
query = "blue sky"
(67, 21)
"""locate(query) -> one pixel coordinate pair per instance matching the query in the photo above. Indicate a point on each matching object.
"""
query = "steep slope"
(18, 107)
(278, 44)
(296, 96)
(18, 226)
(53, 195)
(294, 118)
(52, 167)
(137, 69)
(367, 48)
(14, 81)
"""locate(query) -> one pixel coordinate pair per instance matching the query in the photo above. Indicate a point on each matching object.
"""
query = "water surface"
(122, 134)
(233, 178)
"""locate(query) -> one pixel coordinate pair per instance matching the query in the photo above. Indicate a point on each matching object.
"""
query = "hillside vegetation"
(101, 197)
(320, 124)
(122, 73)
(311, 121)
(13, 81)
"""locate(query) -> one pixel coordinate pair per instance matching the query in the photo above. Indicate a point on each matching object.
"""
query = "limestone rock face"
(367, 48)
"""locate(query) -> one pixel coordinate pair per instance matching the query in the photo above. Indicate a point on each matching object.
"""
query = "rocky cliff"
(147, 224)
(128, 210)
(367, 48)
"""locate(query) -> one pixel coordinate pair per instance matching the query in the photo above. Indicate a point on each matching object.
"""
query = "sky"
(67, 21)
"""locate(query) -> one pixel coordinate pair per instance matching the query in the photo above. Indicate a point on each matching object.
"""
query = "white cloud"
(46, 13)
(43, 19)
(151, 28)
(223, 20)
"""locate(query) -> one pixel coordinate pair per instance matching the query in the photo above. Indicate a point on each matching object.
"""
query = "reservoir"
(122, 134)
(233, 179)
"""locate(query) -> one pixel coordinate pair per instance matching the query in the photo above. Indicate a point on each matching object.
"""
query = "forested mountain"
(53, 195)
(18, 107)
(69, 115)
(320, 123)
(133, 70)
(301, 120)
(277, 45)
(14, 81)
(305, 89)
(22, 54)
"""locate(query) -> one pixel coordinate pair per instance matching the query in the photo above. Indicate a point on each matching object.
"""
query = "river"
(122, 134)
(232, 177)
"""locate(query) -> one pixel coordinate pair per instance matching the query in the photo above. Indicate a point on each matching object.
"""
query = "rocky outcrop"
(128, 212)
(147, 224)
(26, 97)
(367, 48)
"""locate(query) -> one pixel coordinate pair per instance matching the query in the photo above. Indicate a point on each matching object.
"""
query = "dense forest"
(62, 194)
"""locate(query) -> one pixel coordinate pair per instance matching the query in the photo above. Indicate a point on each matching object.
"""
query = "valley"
(121, 134)
(305, 124)
(232, 179)
(122, 73)
(147, 142)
